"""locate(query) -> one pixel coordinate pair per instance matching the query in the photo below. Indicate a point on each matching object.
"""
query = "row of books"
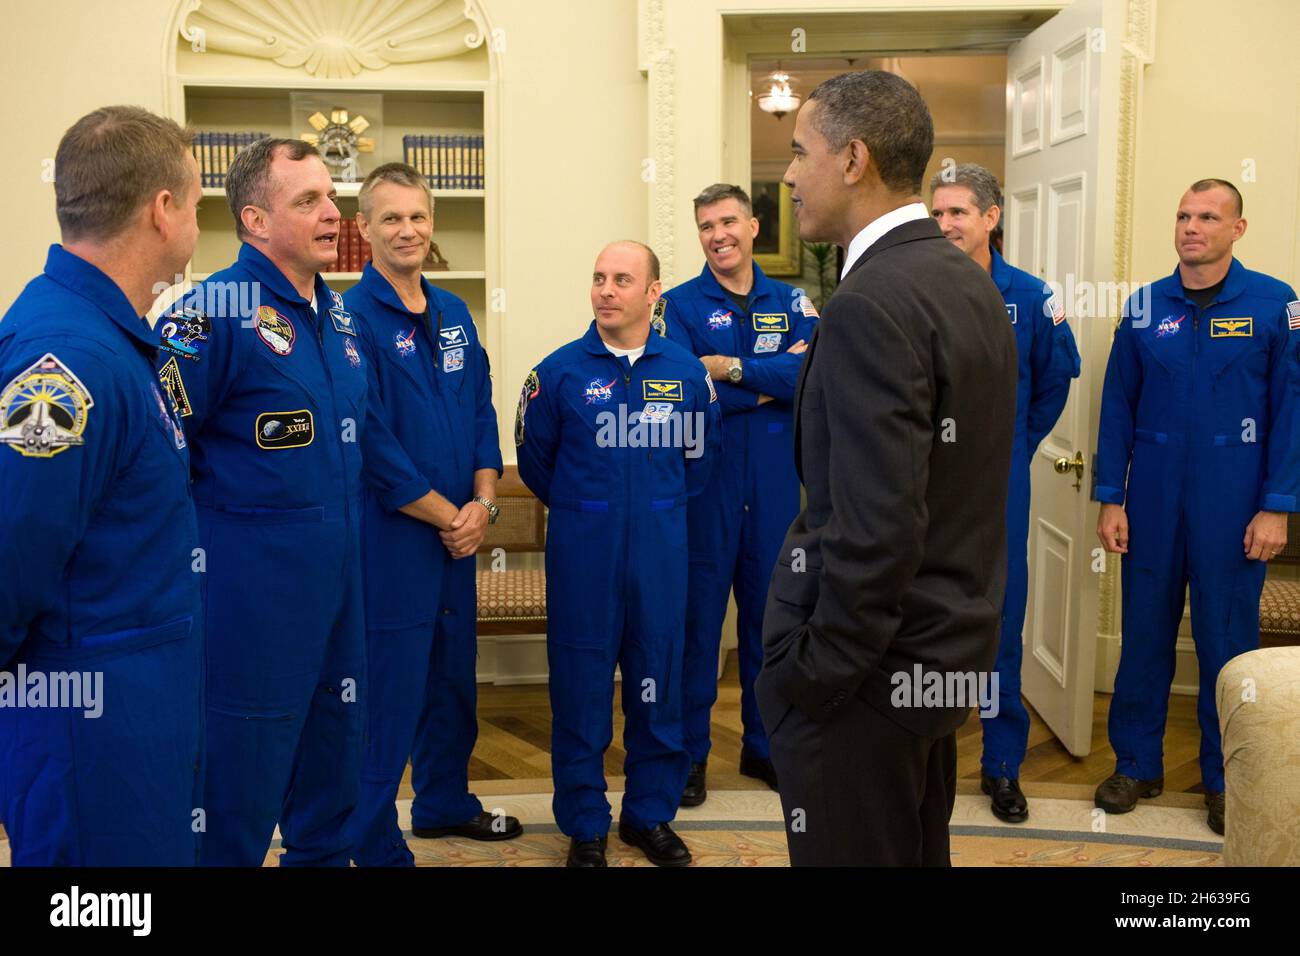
(354, 252)
(216, 151)
(448, 162)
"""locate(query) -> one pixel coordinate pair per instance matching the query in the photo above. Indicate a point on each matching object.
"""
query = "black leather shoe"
(587, 852)
(1119, 793)
(661, 845)
(1215, 802)
(696, 786)
(485, 826)
(760, 768)
(1009, 802)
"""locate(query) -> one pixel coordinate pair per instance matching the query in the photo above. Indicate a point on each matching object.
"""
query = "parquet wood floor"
(515, 738)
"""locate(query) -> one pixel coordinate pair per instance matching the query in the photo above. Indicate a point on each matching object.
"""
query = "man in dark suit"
(882, 619)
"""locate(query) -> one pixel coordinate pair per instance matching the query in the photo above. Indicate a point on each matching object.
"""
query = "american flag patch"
(1293, 315)
(1054, 308)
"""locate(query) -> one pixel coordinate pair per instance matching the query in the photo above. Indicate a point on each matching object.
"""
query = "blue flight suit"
(1048, 361)
(738, 523)
(615, 574)
(432, 426)
(273, 399)
(1200, 410)
(98, 540)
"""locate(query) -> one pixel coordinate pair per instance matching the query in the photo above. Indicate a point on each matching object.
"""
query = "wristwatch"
(493, 511)
(735, 371)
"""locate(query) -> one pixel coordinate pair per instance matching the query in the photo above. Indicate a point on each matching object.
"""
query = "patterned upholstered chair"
(1258, 695)
(1279, 605)
(513, 600)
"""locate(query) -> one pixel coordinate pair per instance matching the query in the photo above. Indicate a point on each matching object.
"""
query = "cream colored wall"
(1220, 93)
(573, 134)
(63, 59)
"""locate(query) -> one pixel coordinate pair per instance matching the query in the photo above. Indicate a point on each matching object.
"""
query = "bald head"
(651, 260)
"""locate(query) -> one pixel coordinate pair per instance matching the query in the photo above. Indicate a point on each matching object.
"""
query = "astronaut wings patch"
(44, 410)
(532, 386)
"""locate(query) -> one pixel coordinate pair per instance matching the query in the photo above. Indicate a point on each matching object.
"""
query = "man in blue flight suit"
(967, 205)
(750, 332)
(273, 397)
(615, 433)
(100, 635)
(431, 440)
(1200, 411)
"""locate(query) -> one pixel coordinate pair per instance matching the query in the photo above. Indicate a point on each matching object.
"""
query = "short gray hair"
(886, 113)
(720, 191)
(982, 184)
(400, 174)
(110, 163)
(250, 173)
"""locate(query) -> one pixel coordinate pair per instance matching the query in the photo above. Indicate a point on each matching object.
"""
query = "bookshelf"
(218, 105)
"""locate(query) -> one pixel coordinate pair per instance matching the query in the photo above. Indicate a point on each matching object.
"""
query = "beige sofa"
(1258, 694)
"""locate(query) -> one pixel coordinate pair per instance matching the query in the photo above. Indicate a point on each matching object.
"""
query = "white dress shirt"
(878, 227)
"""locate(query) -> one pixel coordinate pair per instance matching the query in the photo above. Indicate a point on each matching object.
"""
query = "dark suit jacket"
(904, 417)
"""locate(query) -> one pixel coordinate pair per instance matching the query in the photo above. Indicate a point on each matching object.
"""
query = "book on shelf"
(214, 153)
(447, 161)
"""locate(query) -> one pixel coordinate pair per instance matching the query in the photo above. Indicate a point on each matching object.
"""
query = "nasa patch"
(405, 343)
(275, 331)
(276, 430)
(767, 342)
(1169, 326)
(720, 319)
(350, 350)
(598, 392)
(453, 360)
(44, 410)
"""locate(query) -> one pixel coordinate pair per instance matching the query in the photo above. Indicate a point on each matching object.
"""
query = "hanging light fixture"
(780, 98)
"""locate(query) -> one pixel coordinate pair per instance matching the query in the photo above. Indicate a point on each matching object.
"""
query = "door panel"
(1063, 112)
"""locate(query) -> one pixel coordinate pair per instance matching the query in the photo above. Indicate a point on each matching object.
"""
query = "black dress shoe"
(661, 845)
(696, 786)
(1008, 801)
(1215, 802)
(486, 826)
(1119, 793)
(587, 852)
(752, 765)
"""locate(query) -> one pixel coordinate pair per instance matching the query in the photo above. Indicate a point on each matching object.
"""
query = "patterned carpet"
(740, 825)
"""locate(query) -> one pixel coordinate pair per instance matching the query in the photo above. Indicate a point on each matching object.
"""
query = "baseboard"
(505, 659)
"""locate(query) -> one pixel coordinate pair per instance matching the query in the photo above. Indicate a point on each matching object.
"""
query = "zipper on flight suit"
(319, 325)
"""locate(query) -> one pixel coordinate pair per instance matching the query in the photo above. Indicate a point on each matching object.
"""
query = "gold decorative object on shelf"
(435, 261)
(340, 142)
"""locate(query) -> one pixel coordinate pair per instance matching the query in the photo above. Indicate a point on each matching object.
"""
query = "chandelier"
(779, 98)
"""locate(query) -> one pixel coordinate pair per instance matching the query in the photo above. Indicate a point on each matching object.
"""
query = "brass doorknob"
(1064, 466)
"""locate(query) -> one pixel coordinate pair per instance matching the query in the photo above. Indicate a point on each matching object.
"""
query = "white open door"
(1062, 122)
